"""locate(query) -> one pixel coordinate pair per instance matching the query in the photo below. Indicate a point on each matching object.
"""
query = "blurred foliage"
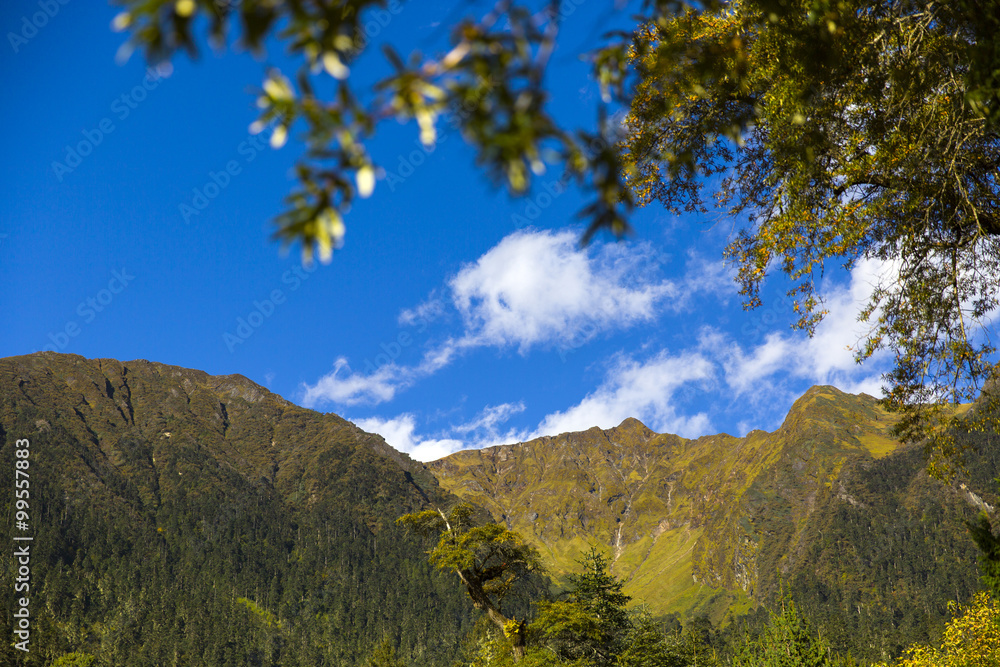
(494, 73)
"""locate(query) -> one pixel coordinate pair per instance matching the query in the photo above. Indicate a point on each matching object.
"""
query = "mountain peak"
(829, 406)
(655, 498)
(631, 424)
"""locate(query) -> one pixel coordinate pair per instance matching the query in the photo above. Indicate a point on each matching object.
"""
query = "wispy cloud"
(481, 431)
(703, 276)
(498, 311)
(429, 310)
(539, 288)
(399, 432)
(345, 386)
(825, 358)
(641, 389)
(490, 418)
(632, 388)
(533, 289)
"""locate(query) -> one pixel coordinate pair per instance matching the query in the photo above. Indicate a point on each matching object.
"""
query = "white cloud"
(424, 313)
(539, 287)
(825, 358)
(761, 372)
(399, 433)
(533, 288)
(745, 370)
(536, 288)
(491, 417)
(705, 276)
(644, 390)
(481, 431)
(345, 386)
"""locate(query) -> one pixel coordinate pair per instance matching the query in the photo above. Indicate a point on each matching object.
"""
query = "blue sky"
(445, 321)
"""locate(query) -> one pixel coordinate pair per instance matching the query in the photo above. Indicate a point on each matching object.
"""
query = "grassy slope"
(650, 499)
(711, 525)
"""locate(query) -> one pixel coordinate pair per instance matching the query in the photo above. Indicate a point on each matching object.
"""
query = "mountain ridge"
(713, 525)
(184, 518)
(259, 532)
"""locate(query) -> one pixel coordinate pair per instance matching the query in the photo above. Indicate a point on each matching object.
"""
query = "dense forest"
(171, 527)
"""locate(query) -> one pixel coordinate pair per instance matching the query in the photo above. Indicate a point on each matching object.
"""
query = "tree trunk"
(481, 601)
(519, 641)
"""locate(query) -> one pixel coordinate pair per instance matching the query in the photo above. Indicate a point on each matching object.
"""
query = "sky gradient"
(136, 224)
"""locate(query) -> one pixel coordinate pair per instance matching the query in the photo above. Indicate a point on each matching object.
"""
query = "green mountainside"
(827, 506)
(186, 519)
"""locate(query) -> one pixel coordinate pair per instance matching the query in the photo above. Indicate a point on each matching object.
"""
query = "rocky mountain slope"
(181, 518)
(829, 505)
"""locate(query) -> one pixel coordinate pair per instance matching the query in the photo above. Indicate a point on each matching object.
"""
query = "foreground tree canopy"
(586, 626)
(588, 623)
(490, 560)
(833, 131)
(859, 141)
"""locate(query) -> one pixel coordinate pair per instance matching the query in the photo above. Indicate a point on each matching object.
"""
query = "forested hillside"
(828, 506)
(185, 519)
